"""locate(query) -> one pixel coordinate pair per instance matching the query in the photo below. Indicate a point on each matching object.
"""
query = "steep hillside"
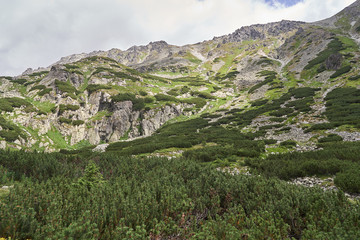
(104, 97)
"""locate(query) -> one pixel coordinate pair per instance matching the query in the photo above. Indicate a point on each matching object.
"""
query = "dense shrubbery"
(67, 107)
(333, 47)
(269, 77)
(94, 87)
(10, 132)
(341, 71)
(8, 104)
(138, 103)
(20, 81)
(66, 87)
(112, 197)
(336, 157)
(343, 106)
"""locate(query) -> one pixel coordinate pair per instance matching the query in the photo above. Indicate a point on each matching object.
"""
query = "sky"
(38, 33)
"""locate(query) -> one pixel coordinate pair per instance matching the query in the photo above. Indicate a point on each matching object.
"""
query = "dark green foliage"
(8, 135)
(184, 90)
(143, 93)
(358, 29)
(205, 95)
(331, 138)
(67, 107)
(320, 126)
(45, 91)
(65, 120)
(77, 122)
(332, 48)
(165, 98)
(66, 87)
(335, 157)
(270, 76)
(38, 87)
(282, 112)
(20, 81)
(173, 92)
(115, 74)
(8, 104)
(148, 100)
(302, 105)
(199, 102)
(161, 198)
(7, 78)
(10, 132)
(270, 141)
(303, 92)
(259, 103)
(94, 87)
(288, 143)
(69, 66)
(278, 119)
(138, 103)
(265, 60)
(38, 74)
(231, 75)
(349, 180)
(343, 106)
(341, 71)
(354, 78)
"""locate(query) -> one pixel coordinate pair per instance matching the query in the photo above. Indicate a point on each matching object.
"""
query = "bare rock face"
(334, 61)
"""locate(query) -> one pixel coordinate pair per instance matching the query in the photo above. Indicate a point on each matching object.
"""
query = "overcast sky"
(36, 33)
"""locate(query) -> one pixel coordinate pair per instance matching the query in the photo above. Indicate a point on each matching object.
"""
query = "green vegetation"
(107, 196)
(67, 107)
(270, 76)
(10, 132)
(343, 107)
(333, 47)
(19, 81)
(8, 104)
(335, 158)
(341, 71)
(138, 103)
(66, 87)
(94, 87)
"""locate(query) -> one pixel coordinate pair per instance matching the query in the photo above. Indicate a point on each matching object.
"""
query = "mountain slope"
(103, 97)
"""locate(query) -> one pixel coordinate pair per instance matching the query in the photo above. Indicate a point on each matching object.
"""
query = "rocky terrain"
(109, 96)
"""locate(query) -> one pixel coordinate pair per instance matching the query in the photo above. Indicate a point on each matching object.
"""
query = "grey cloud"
(39, 32)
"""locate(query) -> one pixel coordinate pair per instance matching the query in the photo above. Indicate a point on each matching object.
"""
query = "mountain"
(109, 96)
(251, 135)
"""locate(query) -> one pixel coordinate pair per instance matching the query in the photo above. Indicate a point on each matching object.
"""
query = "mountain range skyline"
(39, 35)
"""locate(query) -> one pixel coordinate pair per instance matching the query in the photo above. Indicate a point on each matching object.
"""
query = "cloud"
(39, 32)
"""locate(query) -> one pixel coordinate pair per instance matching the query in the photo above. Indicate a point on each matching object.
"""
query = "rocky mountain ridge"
(107, 96)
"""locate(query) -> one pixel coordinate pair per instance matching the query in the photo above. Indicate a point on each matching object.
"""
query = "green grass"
(57, 138)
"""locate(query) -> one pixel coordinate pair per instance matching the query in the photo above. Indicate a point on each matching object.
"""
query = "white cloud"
(39, 32)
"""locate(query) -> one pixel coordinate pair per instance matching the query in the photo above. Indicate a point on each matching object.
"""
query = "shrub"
(165, 98)
(354, 78)
(68, 107)
(66, 87)
(45, 91)
(20, 81)
(65, 120)
(138, 103)
(77, 122)
(341, 71)
(331, 138)
(288, 143)
(332, 48)
(94, 87)
(38, 87)
(349, 180)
